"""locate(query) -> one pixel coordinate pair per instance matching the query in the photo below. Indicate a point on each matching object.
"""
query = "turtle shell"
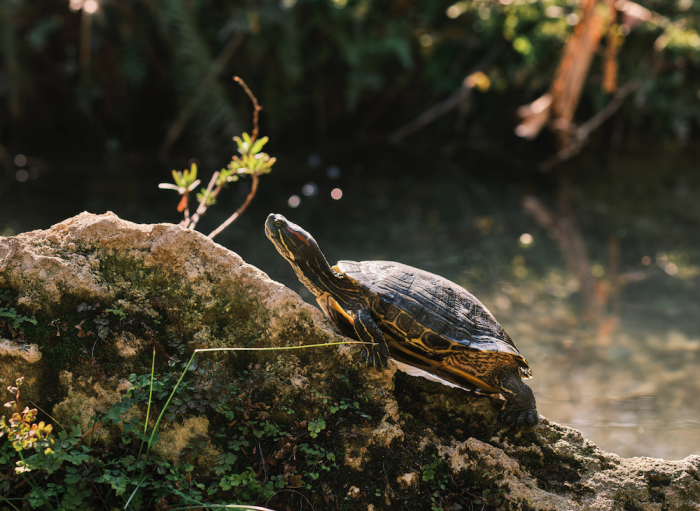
(431, 317)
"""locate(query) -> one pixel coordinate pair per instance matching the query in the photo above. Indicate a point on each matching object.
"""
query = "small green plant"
(117, 312)
(348, 404)
(11, 313)
(316, 426)
(16, 318)
(252, 161)
(22, 430)
(82, 307)
(490, 498)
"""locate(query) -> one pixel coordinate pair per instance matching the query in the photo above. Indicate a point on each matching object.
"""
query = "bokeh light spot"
(333, 172)
(503, 302)
(90, 6)
(526, 239)
(336, 193)
(310, 189)
(294, 201)
(22, 175)
(20, 160)
(455, 10)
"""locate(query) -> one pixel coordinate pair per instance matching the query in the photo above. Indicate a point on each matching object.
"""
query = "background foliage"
(326, 71)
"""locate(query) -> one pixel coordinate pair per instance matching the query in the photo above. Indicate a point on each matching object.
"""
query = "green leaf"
(258, 145)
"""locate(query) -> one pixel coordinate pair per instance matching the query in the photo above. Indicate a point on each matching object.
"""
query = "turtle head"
(301, 250)
(293, 242)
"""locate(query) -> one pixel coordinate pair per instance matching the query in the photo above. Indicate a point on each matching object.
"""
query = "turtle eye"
(279, 223)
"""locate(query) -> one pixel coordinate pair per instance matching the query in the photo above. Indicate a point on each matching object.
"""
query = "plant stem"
(186, 220)
(35, 486)
(232, 218)
(150, 400)
(155, 428)
(203, 205)
(256, 107)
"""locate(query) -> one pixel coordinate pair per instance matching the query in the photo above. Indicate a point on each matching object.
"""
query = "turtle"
(416, 317)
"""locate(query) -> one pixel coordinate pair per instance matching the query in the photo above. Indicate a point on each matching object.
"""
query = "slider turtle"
(414, 316)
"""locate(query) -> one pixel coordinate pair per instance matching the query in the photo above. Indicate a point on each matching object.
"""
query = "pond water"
(631, 384)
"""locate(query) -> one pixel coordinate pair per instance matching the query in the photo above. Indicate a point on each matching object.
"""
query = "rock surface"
(413, 437)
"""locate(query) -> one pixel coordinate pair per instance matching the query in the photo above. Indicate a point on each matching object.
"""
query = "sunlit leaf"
(258, 145)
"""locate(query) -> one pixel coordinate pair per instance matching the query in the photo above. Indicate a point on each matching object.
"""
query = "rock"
(28, 352)
(109, 295)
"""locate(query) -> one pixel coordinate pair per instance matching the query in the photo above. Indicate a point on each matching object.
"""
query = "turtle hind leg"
(520, 409)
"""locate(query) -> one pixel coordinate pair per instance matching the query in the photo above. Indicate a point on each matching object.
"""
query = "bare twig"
(203, 204)
(255, 175)
(256, 107)
(581, 133)
(230, 220)
(457, 98)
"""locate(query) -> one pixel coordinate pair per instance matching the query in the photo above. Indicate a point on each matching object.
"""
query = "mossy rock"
(107, 294)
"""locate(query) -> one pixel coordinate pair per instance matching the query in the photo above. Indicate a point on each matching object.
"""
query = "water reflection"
(637, 396)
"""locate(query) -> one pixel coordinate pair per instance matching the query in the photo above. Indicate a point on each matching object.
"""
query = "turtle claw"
(373, 356)
(521, 418)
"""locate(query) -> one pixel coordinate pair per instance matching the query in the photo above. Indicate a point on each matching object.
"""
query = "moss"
(175, 437)
(245, 319)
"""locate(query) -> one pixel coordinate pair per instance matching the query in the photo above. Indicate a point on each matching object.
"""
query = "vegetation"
(246, 461)
(252, 162)
(145, 73)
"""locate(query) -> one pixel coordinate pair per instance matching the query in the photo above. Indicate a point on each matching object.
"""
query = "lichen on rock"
(397, 441)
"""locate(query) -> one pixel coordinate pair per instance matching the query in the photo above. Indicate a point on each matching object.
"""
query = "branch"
(203, 204)
(253, 190)
(256, 107)
(581, 133)
(435, 111)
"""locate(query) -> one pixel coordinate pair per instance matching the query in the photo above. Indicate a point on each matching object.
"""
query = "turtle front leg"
(520, 409)
(375, 349)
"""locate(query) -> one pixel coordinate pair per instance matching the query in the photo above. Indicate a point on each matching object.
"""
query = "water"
(632, 387)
